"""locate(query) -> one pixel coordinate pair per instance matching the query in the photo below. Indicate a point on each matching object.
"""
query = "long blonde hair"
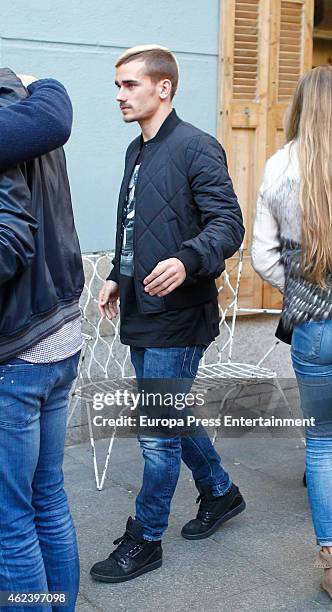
(309, 121)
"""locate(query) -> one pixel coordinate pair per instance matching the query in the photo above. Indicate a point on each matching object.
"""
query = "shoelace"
(126, 545)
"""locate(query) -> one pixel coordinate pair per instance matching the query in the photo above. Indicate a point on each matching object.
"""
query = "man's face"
(138, 96)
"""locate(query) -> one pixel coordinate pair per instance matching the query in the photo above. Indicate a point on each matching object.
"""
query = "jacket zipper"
(136, 283)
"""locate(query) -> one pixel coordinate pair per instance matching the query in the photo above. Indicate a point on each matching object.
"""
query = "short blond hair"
(160, 63)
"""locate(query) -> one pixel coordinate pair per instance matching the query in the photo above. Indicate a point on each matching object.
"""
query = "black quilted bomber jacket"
(185, 208)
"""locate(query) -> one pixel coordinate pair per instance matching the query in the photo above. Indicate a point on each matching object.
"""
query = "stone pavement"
(260, 560)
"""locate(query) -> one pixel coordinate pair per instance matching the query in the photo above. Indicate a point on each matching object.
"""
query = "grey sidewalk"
(260, 560)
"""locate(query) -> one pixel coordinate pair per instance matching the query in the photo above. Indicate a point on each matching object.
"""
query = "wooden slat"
(246, 15)
(248, 60)
(251, 3)
(239, 89)
(246, 38)
(290, 19)
(247, 30)
(251, 53)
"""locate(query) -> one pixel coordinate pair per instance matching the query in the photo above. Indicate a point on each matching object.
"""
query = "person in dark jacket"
(41, 279)
(178, 220)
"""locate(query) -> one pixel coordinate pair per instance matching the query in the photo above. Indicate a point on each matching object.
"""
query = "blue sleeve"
(36, 125)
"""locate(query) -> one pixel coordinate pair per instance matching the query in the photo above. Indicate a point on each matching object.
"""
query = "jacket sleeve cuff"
(113, 276)
(190, 259)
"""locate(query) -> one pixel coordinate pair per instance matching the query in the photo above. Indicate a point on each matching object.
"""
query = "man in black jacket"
(41, 279)
(178, 220)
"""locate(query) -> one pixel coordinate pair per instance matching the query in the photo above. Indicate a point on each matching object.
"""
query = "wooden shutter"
(245, 50)
(242, 113)
(265, 46)
(290, 49)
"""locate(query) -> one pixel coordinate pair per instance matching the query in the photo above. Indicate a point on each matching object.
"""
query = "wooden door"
(265, 46)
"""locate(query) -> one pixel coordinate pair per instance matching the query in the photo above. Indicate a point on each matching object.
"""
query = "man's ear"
(165, 88)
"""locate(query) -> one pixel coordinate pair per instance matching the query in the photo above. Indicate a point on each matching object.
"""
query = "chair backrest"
(221, 350)
(228, 295)
(106, 357)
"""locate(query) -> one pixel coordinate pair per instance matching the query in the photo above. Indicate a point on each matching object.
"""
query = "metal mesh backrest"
(228, 292)
(106, 357)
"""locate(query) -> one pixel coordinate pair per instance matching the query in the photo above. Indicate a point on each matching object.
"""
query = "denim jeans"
(38, 549)
(312, 362)
(162, 456)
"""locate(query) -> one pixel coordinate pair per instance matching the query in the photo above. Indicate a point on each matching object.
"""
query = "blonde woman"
(292, 250)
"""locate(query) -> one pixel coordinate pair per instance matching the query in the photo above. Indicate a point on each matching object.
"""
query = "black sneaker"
(133, 556)
(212, 512)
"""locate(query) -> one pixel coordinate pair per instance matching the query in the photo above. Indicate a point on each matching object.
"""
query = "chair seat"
(87, 390)
(231, 370)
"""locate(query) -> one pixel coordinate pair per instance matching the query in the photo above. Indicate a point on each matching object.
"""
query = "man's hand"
(107, 302)
(27, 79)
(165, 277)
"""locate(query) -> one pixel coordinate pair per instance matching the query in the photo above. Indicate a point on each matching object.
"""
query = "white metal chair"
(104, 360)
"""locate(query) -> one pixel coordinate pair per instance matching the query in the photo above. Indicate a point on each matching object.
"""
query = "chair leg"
(100, 481)
(93, 448)
(277, 385)
(108, 456)
(289, 408)
(220, 414)
(72, 394)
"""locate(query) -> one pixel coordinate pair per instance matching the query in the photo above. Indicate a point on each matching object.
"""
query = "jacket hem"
(42, 326)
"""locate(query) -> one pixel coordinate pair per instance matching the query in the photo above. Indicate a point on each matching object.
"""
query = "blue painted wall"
(77, 42)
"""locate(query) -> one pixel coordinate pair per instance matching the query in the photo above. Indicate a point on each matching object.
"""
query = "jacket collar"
(170, 123)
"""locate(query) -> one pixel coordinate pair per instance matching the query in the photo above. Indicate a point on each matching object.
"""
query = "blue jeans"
(312, 362)
(163, 456)
(38, 549)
